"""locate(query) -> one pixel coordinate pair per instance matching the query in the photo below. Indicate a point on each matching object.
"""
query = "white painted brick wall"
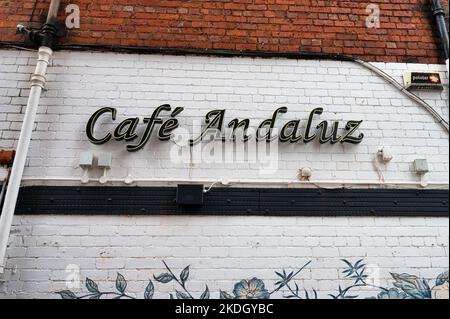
(221, 250)
(81, 82)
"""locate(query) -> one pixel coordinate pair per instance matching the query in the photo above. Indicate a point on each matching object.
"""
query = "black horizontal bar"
(54, 200)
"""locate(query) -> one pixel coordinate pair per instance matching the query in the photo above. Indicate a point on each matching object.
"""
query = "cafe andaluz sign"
(291, 132)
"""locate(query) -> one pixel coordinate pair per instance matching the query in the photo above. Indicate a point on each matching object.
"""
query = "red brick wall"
(407, 32)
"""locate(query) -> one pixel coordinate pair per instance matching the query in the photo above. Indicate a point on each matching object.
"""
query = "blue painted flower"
(253, 289)
(413, 286)
(392, 294)
(441, 292)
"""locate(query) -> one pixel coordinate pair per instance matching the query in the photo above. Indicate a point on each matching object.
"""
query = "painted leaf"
(350, 270)
(67, 294)
(349, 264)
(289, 277)
(184, 275)
(91, 286)
(225, 295)
(182, 295)
(149, 291)
(280, 275)
(164, 278)
(412, 285)
(359, 277)
(121, 283)
(358, 264)
(347, 271)
(442, 278)
(206, 294)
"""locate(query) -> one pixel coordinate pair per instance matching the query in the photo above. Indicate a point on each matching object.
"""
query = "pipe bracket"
(38, 80)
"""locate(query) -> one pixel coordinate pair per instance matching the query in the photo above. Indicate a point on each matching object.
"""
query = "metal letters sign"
(126, 130)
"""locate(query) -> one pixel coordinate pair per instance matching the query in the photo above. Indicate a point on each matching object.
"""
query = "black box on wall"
(190, 195)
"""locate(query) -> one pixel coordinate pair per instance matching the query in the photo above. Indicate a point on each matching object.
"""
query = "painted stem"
(106, 293)
(295, 275)
(364, 284)
(176, 279)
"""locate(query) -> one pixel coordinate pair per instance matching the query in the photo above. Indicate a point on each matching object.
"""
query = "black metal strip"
(53, 200)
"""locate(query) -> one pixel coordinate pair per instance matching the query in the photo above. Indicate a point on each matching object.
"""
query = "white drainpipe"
(38, 81)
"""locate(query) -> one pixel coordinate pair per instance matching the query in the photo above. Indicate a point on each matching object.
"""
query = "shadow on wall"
(405, 286)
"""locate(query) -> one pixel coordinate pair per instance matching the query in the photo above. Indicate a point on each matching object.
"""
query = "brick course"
(407, 33)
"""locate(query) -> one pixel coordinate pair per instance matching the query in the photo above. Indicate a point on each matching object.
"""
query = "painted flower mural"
(392, 293)
(251, 289)
(441, 290)
(405, 286)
